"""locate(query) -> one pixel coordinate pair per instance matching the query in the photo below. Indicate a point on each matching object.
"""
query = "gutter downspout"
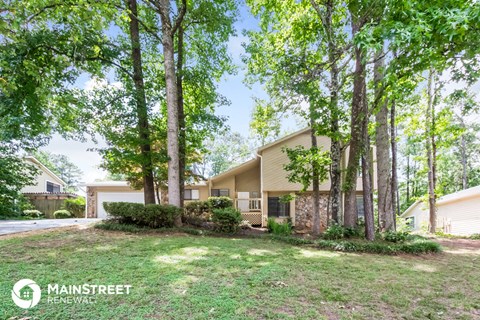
(261, 186)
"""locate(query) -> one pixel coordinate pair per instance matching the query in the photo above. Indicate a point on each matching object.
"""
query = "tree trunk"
(335, 148)
(172, 108)
(394, 188)
(430, 154)
(356, 123)
(385, 209)
(141, 105)
(181, 116)
(463, 154)
(315, 187)
(366, 171)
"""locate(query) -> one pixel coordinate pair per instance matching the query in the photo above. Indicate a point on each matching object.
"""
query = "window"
(192, 194)
(220, 193)
(53, 187)
(360, 207)
(410, 222)
(276, 208)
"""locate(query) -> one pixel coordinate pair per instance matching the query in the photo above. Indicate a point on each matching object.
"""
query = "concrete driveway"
(15, 226)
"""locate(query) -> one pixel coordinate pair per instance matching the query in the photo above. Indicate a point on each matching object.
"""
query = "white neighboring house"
(457, 213)
(46, 181)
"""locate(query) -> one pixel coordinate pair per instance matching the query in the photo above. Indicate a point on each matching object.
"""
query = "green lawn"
(189, 277)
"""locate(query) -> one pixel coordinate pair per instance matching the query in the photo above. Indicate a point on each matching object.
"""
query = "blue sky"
(232, 87)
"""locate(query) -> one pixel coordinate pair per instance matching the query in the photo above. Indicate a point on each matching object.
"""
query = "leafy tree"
(15, 174)
(224, 152)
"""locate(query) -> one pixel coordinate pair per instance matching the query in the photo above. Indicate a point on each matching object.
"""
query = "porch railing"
(254, 204)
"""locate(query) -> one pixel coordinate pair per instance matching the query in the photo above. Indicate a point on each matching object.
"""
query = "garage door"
(102, 197)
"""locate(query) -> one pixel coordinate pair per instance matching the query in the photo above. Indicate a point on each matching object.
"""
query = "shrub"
(226, 220)
(197, 208)
(334, 232)
(279, 228)
(151, 215)
(62, 214)
(75, 206)
(393, 236)
(475, 236)
(125, 212)
(196, 213)
(220, 202)
(33, 213)
(157, 215)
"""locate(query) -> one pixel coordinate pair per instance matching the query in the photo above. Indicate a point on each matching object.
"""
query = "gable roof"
(456, 196)
(45, 169)
(287, 137)
(459, 195)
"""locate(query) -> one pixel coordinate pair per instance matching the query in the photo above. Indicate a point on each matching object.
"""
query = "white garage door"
(102, 197)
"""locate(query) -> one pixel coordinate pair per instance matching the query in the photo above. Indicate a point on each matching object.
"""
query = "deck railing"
(254, 204)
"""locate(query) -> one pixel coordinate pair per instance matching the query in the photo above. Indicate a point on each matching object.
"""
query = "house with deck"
(256, 187)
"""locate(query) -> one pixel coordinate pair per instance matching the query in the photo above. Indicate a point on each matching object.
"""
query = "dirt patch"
(41, 231)
(464, 244)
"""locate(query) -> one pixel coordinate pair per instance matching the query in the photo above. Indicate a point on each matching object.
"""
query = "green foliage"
(475, 236)
(220, 202)
(15, 174)
(227, 220)
(33, 214)
(197, 208)
(306, 165)
(150, 215)
(62, 214)
(414, 247)
(265, 123)
(196, 213)
(157, 215)
(396, 236)
(336, 231)
(226, 151)
(75, 206)
(279, 228)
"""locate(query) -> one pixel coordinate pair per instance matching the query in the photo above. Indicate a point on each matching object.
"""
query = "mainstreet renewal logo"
(26, 293)
(26, 299)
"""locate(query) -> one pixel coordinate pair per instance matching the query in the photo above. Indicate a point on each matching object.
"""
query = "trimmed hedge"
(226, 220)
(220, 202)
(33, 213)
(151, 215)
(197, 208)
(62, 214)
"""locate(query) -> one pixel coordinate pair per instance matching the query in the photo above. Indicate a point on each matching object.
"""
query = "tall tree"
(384, 168)
(141, 103)
(63, 167)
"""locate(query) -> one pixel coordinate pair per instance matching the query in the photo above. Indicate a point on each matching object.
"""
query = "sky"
(231, 86)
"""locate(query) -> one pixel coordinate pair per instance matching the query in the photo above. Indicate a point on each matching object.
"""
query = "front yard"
(176, 276)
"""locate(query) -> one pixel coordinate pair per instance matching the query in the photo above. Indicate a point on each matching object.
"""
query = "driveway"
(15, 226)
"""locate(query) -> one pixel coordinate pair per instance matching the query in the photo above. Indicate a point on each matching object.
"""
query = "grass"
(179, 276)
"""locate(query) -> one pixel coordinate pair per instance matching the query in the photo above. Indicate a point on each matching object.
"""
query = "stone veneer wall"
(304, 212)
(91, 202)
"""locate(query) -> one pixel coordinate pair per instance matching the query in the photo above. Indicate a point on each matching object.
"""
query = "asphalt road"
(15, 226)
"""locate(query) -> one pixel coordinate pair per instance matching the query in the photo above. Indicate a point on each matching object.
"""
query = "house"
(256, 187)
(457, 213)
(45, 181)
(47, 193)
